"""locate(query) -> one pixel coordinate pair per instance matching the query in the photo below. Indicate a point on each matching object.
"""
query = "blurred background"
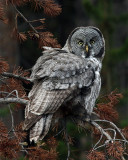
(111, 17)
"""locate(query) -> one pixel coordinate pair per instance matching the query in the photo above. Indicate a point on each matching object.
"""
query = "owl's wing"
(43, 102)
(62, 70)
(56, 76)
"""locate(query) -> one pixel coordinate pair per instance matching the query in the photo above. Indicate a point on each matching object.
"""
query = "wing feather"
(41, 128)
(43, 102)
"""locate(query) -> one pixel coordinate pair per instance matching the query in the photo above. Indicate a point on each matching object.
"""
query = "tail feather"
(41, 128)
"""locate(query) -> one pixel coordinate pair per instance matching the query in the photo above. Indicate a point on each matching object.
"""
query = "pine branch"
(103, 132)
(81, 121)
(24, 18)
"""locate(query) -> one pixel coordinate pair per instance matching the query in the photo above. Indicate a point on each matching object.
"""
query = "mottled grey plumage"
(63, 75)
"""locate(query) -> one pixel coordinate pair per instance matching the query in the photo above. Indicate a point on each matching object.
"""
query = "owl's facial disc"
(86, 42)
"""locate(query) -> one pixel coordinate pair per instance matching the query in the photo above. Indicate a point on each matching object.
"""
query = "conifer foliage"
(111, 141)
(49, 7)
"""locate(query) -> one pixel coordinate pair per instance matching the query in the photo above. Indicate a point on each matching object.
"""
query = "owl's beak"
(86, 48)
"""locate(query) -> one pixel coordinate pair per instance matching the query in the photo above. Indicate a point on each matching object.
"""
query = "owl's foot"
(88, 118)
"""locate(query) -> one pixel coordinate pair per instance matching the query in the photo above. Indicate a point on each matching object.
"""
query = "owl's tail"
(41, 128)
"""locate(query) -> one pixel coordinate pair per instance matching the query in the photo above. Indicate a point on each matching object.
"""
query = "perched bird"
(70, 74)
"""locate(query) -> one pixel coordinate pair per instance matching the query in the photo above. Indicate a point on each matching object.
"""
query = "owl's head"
(87, 42)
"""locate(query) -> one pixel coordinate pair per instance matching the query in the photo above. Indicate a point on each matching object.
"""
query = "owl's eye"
(80, 42)
(92, 41)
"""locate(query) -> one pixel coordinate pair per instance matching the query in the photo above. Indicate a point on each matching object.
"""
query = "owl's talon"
(88, 118)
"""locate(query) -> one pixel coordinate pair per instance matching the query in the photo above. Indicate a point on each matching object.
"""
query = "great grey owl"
(70, 74)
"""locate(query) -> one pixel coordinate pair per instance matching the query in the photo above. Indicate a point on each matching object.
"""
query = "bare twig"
(105, 134)
(13, 100)
(13, 130)
(113, 130)
(24, 18)
(12, 119)
(94, 148)
(101, 130)
(67, 140)
(14, 91)
(6, 93)
(10, 75)
(37, 20)
(103, 145)
(81, 122)
(68, 145)
(59, 132)
(113, 125)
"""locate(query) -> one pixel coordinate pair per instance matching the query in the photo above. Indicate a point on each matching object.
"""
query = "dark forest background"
(111, 17)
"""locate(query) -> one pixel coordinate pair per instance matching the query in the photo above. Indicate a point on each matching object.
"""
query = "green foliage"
(4, 111)
(62, 149)
(120, 53)
(123, 123)
(79, 139)
(95, 12)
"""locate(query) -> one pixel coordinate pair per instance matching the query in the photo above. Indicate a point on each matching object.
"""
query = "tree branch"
(67, 142)
(101, 130)
(113, 125)
(24, 18)
(13, 100)
(11, 75)
(82, 121)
